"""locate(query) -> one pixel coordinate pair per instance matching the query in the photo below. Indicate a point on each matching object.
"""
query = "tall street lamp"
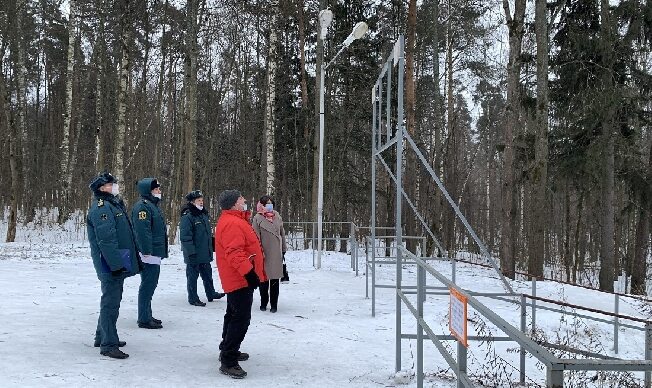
(325, 19)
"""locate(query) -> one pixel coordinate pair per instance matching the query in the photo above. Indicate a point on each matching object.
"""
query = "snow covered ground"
(322, 336)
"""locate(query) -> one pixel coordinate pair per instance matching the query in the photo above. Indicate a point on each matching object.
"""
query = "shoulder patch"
(142, 215)
(100, 202)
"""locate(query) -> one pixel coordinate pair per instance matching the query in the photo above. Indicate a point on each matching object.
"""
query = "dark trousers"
(107, 333)
(236, 323)
(269, 293)
(193, 271)
(148, 282)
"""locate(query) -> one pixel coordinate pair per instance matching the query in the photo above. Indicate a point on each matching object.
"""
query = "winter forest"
(536, 114)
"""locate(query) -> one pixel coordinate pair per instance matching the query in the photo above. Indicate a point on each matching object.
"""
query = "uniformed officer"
(197, 245)
(115, 257)
(152, 238)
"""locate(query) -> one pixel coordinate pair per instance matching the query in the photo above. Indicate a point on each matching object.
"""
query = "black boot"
(157, 321)
(198, 303)
(116, 353)
(233, 371)
(150, 325)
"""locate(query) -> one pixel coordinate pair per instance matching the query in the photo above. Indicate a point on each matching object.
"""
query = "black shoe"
(150, 325)
(272, 310)
(120, 344)
(198, 303)
(217, 295)
(233, 371)
(241, 356)
(157, 321)
(263, 308)
(115, 353)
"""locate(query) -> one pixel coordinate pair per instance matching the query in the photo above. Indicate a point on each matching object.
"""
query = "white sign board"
(457, 316)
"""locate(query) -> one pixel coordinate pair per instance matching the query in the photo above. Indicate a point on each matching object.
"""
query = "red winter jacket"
(235, 242)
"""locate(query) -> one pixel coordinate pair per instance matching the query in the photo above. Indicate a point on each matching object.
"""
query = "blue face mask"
(269, 207)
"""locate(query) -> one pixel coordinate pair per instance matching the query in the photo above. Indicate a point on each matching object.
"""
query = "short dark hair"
(265, 198)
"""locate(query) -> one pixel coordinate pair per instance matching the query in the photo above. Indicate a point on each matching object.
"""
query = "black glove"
(252, 279)
(118, 272)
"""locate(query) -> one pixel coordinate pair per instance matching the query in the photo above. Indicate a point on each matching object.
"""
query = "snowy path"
(322, 336)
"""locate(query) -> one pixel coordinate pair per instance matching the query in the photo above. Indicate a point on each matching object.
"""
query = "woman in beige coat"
(269, 227)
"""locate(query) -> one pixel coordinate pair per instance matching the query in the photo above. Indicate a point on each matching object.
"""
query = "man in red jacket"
(241, 268)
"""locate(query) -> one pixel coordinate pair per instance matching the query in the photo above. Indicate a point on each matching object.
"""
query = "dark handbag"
(286, 276)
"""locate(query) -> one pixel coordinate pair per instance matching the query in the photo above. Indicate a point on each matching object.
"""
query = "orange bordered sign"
(457, 317)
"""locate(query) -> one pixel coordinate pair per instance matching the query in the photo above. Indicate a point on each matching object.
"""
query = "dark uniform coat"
(149, 223)
(111, 236)
(196, 235)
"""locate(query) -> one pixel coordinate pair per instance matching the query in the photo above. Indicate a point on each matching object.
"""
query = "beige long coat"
(272, 238)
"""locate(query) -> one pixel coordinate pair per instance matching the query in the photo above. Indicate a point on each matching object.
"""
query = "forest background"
(536, 115)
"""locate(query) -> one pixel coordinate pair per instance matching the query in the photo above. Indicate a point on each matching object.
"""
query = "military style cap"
(101, 180)
(193, 195)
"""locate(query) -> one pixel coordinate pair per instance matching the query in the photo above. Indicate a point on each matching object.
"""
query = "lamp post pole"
(320, 184)
(358, 31)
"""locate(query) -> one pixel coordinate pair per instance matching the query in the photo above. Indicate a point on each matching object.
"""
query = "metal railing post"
(648, 352)
(421, 296)
(554, 376)
(616, 326)
(351, 245)
(523, 328)
(453, 270)
(366, 268)
(534, 304)
(373, 279)
(461, 363)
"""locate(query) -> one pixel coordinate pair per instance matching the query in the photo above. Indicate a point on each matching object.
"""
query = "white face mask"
(200, 207)
(269, 207)
(157, 196)
(244, 207)
(115, 189)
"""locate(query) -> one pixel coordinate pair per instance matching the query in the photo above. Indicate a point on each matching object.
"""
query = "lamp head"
(325, 20)
(358, 32)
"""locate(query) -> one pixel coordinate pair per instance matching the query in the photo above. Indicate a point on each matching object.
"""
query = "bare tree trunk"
(451, 159)
(66, 170)
(11, 136)
(580, 239)
(21, 135)
(302, 69)
(100, 158)
(641, 247)
(270, 103)
(190, 87)
(125, 39)
(508, 211)
(540, 169)
(607, 249)
(160, 132)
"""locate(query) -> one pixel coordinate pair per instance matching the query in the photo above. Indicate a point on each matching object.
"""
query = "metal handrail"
(555, 365)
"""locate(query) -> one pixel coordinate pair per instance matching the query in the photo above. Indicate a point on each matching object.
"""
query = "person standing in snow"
(197, 245)
(268, 225)
(115, 257)
(241, 268)
(152, 238)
